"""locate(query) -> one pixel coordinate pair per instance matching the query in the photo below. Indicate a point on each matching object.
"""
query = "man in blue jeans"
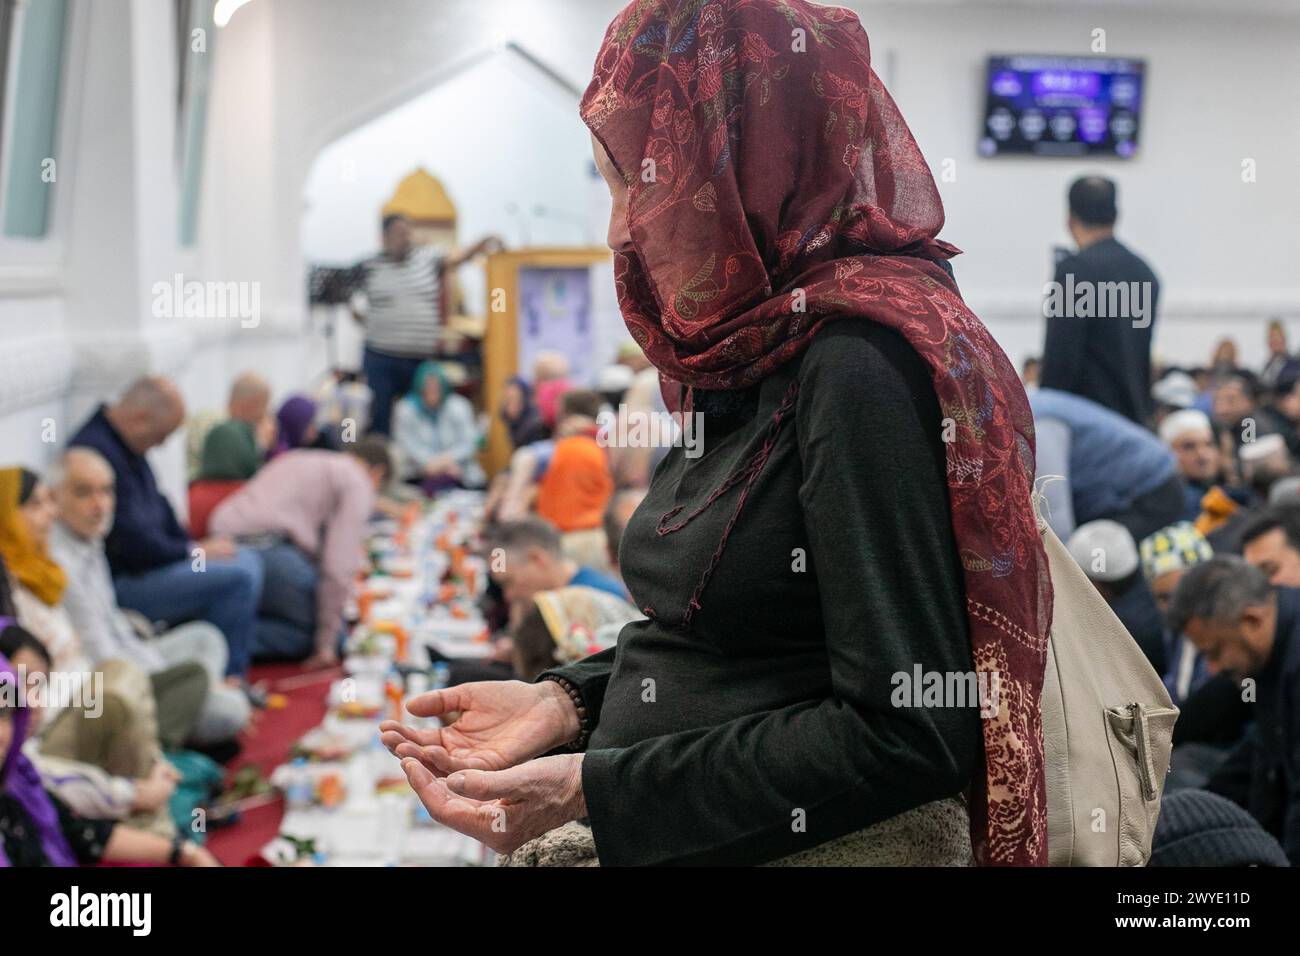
(286, 623)
(157, 569)
(389, 378)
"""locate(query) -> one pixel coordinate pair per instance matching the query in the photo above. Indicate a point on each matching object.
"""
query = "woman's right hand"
(500, 724)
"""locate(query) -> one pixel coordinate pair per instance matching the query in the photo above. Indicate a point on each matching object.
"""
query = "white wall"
(495, 135)
(76, 308)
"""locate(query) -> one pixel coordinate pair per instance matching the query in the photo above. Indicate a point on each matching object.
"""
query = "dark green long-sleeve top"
(767, 726)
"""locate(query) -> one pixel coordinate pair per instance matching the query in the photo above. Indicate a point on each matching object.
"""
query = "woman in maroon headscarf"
(856, 544)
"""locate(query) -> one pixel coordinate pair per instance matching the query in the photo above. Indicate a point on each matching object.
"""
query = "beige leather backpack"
(1108, 725)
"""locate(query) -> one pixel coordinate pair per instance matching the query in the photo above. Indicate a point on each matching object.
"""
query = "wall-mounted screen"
(1062, 106)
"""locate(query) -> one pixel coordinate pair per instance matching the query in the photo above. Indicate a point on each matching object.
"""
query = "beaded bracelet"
(579, 743)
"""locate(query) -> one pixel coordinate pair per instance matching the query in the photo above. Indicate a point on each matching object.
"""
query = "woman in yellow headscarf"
(27, 511)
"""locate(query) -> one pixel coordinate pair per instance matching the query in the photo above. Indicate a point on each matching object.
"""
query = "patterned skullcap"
(1174, 548)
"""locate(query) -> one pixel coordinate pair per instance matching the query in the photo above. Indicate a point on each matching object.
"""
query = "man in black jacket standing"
(1100, 310)
(1251, 631)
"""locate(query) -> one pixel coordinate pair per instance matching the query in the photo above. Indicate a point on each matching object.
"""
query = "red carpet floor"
(266, 746)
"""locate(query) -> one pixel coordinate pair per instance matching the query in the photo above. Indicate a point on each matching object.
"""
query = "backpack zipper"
(1140, 736)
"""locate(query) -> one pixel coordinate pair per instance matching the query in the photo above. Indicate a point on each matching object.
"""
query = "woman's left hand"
(503, 809)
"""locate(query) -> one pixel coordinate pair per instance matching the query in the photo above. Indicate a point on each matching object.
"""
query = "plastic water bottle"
(428, 580)
(416, 684)
(298, 793)
(441, 675)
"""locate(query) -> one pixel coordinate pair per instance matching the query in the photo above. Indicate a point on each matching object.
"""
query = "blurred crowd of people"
(1188, 523)
(127, 634)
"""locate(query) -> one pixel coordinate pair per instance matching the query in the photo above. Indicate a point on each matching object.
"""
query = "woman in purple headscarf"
(297, 417)
(520, 414)
(38, 829)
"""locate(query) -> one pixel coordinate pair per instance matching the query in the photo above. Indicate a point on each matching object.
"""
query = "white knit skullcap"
(1182, 421)
(614, 378)
(1262, 447)
(1104, 549)
(1175, 388)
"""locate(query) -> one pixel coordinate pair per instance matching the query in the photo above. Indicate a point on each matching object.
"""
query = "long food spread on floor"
(347, 801)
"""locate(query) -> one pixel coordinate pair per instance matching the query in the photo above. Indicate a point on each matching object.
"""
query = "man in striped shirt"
(404, 287)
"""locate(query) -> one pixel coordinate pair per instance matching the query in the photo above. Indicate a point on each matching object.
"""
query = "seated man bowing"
(316, 503)
(1250, 630)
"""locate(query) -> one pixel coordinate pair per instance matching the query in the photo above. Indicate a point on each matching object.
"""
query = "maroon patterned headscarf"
(774, 187)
